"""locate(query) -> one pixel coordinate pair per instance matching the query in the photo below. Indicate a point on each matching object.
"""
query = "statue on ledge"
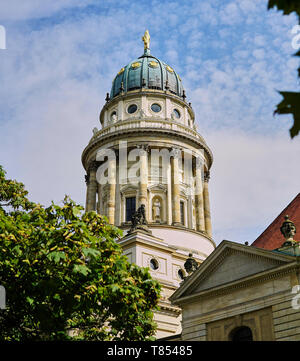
(138, 220)
(288, 230)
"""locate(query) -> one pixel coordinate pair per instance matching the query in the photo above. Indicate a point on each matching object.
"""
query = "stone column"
(91, 187)
(169, 193)
(87, 179)
(200, 221)
(206, 205)
(175, 186)
(111, 199)
(190, 212)
(143, 184)
(120, 110)
(99, 198)
(118, 198)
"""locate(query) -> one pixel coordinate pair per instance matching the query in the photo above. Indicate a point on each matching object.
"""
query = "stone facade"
(148, 152)
(241, 286)
(145, 134)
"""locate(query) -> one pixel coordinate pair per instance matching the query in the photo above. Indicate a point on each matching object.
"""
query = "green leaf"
(57, 297)
(78, 268)
(115, 288)
(90, 252)
(287, 6)
(76, 211)
(290, 105)
(30, 300)
(56, 256)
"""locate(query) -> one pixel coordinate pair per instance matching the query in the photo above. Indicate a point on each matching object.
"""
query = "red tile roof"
(272, 238)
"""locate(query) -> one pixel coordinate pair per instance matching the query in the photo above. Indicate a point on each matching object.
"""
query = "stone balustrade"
(167, 124)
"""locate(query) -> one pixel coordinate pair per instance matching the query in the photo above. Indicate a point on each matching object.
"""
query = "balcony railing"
(167, 124)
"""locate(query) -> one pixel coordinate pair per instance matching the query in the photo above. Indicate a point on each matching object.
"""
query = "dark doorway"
(243, 333)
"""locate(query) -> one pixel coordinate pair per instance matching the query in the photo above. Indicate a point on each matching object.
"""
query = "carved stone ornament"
(142, 113)
(206, 176)
(114, 118)
(93, 165)
(144, 147)
(138, 220)
(190, 264)
(288, 230)
(176, 152)
(156, 209)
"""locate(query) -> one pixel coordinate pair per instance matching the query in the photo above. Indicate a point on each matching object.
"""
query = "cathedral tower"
(148, 153)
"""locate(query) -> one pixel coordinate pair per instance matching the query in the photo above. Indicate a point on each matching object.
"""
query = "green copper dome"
(147, 72)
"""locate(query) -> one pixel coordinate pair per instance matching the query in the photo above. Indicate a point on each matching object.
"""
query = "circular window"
(132, 108)
(154, 264)
(156, 108)
(181, 274)
(113, 116)
(176, 113)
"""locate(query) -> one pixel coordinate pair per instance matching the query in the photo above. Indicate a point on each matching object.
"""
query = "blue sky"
(232, 57)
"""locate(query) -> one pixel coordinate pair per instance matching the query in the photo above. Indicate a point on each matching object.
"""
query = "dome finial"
(146, 40)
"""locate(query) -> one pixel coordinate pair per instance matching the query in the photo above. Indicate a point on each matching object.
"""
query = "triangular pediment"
(230, 262)
(128, 188)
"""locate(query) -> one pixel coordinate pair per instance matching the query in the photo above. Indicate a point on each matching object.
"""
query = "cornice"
(144, 132)
(217, 257)
(181, 228)
(166, 308)
(245, 282)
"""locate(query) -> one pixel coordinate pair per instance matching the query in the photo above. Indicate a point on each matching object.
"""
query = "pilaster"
(207, 217)
(175, 186)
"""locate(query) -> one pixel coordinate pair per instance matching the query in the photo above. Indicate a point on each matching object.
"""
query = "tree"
(63, 270)
(291, 100)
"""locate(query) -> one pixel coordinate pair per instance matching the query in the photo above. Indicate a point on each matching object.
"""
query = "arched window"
(243, 333)
(130, 208)
(182, 214)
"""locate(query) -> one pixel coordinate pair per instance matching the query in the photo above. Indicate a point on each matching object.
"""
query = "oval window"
(156, 108)
(154, 264)
(176, 113)
(132, 108)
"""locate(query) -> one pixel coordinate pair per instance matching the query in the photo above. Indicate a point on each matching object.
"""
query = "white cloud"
(252, 179)
(230, 14)
(248, 5)
(30, 9)
(259, 40)
(259, 53)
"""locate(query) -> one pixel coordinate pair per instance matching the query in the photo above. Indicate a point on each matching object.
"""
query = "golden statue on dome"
(146, 40)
